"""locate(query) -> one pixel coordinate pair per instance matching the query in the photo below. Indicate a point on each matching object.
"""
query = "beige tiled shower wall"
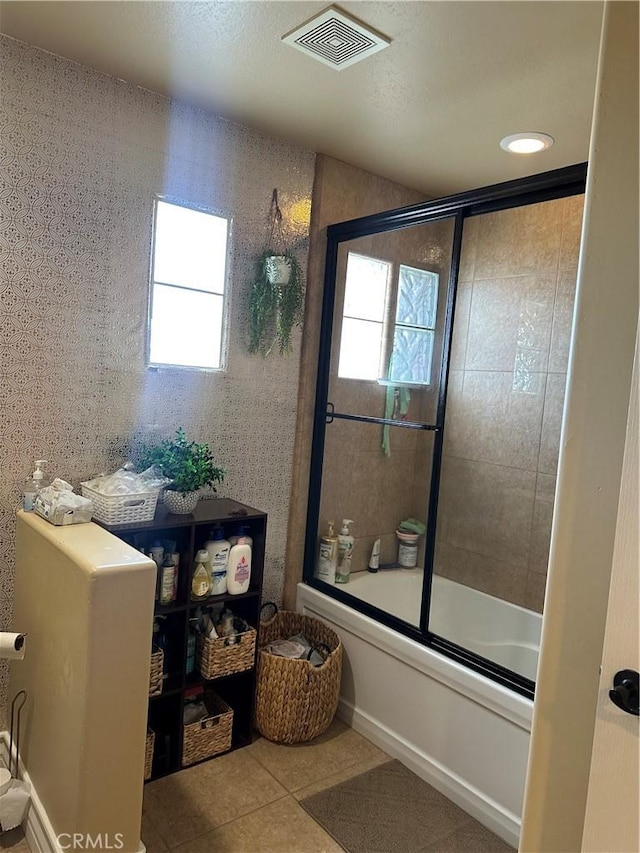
(341, 192)
(358, 480)
(505, 399)
(81, 157)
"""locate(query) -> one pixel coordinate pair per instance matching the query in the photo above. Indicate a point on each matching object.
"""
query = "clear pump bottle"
(33, 485)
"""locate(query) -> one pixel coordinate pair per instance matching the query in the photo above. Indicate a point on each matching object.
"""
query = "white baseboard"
(474, 802)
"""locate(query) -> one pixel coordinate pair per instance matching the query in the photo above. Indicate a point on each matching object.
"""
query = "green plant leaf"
(275, 310)
(189, 465)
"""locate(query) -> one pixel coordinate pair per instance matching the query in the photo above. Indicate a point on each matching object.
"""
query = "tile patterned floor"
(248, 801)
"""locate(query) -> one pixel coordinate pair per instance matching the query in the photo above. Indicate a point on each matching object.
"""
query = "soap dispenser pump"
(345, 552)
(327, 556)
(33, 485)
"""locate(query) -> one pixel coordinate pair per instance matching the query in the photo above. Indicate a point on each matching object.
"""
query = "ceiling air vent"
(336, 39)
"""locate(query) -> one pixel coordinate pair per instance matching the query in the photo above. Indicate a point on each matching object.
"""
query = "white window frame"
(224, 331)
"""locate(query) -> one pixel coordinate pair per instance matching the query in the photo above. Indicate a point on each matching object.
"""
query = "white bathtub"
(502, 632)
(464, 734)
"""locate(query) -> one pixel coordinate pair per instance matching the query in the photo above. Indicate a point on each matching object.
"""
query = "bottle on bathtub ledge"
(327, 556)
(374, 560)
(345, 552)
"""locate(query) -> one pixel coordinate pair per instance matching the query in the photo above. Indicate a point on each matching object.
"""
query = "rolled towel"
(412, 525)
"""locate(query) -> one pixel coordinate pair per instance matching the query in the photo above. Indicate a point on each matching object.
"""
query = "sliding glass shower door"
(388, 336)
(441, 374)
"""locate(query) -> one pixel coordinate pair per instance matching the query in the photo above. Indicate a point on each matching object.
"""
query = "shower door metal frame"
(546, 186)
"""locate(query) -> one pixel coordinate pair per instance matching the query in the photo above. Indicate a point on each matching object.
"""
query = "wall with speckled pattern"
(81, 157)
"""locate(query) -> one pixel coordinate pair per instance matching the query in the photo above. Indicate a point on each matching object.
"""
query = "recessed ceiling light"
(526, 143)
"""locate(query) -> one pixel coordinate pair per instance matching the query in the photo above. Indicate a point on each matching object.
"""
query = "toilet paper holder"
(16, 712)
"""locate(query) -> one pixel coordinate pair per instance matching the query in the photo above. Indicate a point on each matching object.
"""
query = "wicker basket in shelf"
(210, 736)
(148, 754)
(217, 658)
(156, 672)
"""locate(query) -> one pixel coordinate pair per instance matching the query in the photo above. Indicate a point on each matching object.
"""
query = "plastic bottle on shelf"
(201, 576)
(191, 652)
(242, 530)
(156, 553)
(33, 485)
(345, 552)
(239, 571)
(168, 574)
(218, 548)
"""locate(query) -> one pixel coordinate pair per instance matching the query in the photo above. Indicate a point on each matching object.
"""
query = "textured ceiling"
(428, 111)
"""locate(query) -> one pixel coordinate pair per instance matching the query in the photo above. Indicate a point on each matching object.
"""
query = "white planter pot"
(278, 269)
(180, 504)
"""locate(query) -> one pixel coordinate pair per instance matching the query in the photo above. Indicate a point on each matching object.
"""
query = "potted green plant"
(277, 301)
(189, 465)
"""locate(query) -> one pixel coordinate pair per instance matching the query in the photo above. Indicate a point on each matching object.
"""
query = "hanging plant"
(277, 294)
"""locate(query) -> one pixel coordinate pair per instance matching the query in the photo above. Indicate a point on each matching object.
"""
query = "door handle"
(626, 691)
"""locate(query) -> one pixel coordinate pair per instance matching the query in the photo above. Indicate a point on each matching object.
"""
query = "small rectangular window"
(381, 341)
(365, 301)
(188, 287)
(415, 323)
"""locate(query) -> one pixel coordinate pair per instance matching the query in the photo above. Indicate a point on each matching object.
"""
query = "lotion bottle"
(345, 552)
(241, 531)
(239, 571)
(218, 548)
(327, 556)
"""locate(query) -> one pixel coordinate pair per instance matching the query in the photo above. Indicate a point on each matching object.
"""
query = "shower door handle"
(626, 691)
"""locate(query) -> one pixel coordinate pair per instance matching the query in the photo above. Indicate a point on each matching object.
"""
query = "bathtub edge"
(515, 708)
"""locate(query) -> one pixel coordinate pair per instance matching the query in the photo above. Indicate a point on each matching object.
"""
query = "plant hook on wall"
(277, 294)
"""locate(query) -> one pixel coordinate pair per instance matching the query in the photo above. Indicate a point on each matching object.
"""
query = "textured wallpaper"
(81, 157)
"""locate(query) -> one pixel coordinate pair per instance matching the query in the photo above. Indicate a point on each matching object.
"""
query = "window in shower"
(415, 326)
(461, 306)
(365, 306)
(388, 321)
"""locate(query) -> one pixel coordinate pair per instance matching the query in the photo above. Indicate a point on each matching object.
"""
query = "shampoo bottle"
(345, 552)
(239, 571)
(327, 556)
(218, 548)
(33, 485)
(201, 577)
(168, 572)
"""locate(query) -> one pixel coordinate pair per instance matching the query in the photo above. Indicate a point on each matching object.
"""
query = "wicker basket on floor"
(148, 754)
(295, 700)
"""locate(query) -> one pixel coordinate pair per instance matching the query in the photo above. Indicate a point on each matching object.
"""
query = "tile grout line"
(226, 823)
